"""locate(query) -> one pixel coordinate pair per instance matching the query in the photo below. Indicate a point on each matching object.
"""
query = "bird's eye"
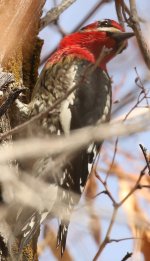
(105, 23)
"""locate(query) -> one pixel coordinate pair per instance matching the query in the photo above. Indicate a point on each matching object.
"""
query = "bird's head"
(100, 40)
(98, 43)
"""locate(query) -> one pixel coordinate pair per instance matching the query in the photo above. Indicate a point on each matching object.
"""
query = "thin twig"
(128, 255)
(136, 186)
(146, 157)
(119, 12)
(107, 191)
(9, 101)
(106, 239)
(115, 210)
(141, 85)
(139, 100)
(113, 159)
(123, 239)
(125, 7)
(124, 13)
(143, 186)
(138, 32)
(55, 12)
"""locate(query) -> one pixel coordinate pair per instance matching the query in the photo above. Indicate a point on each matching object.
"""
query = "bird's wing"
(89, 103)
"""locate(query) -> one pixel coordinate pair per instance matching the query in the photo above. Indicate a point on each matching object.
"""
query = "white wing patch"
(65, 116)
(28, 226)
(65, 112)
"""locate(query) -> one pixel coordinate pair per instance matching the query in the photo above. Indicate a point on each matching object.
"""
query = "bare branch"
(146, 157)
(54, 13)
(115, 211)
(119, 11)
(9, 101)
(123, 239)
(106, 239)
(107, 191)
(138, 32)
(76, 140)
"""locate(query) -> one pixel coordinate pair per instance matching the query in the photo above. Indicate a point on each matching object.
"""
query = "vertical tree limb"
(138, 32)
(19, 54)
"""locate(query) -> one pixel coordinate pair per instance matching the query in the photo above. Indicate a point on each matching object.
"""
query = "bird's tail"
(62, 235)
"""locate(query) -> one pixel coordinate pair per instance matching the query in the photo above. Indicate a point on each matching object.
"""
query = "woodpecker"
(80, 61)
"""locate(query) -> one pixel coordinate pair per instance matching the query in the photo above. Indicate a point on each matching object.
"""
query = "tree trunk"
(19, 54)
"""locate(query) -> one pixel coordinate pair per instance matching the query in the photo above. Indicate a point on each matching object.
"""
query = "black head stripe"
(103, 23)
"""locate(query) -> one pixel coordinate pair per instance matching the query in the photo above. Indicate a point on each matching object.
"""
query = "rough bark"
(19, 54)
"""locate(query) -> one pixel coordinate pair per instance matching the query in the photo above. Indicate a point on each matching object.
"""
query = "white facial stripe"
(104, 29)
(108, 29)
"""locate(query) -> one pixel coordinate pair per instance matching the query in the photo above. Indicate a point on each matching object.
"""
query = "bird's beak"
(122, 36)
